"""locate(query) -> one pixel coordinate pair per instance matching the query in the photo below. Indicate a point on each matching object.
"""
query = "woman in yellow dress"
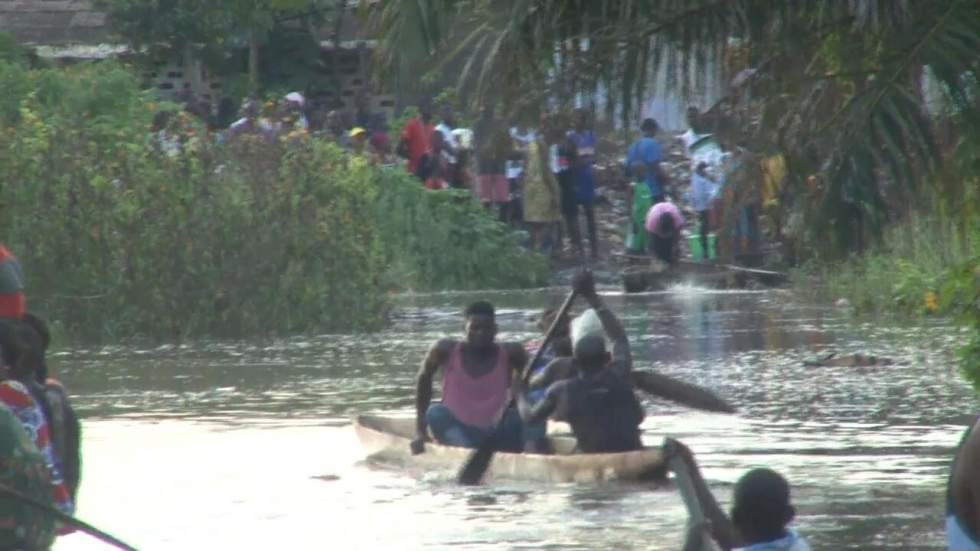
(541, 200)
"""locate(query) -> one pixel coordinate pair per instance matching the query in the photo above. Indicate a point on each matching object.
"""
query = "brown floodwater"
(248, 445)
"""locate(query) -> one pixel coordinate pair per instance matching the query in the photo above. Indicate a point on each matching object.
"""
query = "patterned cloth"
(18, 399)
(22, 469)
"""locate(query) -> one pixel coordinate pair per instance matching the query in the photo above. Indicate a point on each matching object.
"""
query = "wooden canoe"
(645, 274)
(386, 441)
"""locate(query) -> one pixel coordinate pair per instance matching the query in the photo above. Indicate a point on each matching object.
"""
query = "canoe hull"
(386, 441)
(644, 274)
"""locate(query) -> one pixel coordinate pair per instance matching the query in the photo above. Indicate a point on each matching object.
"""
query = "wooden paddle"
(476, 465)
(695, 513)
(683, 393)
(67, 519)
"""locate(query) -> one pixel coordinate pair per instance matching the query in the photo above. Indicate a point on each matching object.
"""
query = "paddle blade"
(471, 473)
(683, 393)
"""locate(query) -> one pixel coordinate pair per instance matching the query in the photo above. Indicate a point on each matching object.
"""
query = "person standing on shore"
(584, 138)
(562, 154)
(541, 196)
(493, 146)
(646, 151)
(416, 137)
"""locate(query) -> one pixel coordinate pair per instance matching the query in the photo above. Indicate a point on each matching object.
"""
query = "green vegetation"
(119, 239)
(905, 274)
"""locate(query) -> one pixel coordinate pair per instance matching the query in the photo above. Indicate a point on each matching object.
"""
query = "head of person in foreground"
(761, 507)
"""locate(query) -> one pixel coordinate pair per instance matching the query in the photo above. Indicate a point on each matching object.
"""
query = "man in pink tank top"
(476, 381)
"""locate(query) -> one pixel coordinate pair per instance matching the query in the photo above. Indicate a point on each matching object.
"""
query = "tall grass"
(904, 273)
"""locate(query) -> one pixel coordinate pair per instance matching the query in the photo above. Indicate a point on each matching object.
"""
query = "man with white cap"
(598, 400)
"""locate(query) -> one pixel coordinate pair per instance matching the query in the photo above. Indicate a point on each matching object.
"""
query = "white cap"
(586, 324)
(296, 97)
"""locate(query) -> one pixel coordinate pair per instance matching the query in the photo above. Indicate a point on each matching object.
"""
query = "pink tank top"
(475, 401)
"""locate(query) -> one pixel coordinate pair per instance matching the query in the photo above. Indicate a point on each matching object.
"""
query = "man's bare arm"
(516, 358)
(615, 331)
(423, 382)
(721, 526)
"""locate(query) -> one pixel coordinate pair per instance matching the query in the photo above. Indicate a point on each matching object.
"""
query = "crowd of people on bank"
(538, 177)
(543, 178)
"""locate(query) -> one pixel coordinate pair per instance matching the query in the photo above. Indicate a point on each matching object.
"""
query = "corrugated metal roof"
(53, 22)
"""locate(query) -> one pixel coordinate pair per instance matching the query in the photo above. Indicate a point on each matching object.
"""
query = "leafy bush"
(120, 239)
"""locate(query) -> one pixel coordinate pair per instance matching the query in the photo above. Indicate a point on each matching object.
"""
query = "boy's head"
(761, 508)
(639, 171)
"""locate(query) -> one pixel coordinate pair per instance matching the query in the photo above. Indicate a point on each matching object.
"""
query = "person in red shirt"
(416, 139)
(12, 304)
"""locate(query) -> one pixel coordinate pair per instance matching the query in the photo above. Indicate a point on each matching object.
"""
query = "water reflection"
(240, 430)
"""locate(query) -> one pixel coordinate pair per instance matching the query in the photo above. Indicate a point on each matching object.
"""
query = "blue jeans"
(449, 430)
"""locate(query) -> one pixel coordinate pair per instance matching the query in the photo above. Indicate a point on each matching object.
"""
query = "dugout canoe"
(643, 274)
(386, 441)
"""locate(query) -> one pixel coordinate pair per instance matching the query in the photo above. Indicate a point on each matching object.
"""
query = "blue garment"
(537, 431)
(792, 542)
(585, 146)
(450, 431)
(646, 151)
(703, 190)
(958, 539)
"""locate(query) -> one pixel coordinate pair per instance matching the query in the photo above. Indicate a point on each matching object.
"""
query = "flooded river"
(248, 445)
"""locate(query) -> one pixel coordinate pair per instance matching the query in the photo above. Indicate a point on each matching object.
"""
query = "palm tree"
(835, 86)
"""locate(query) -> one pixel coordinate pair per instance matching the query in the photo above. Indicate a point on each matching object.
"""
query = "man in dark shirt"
(598, 401)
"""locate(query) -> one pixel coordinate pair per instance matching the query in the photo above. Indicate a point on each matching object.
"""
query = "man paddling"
(598, 402)
(562, 366)
(477, 374)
